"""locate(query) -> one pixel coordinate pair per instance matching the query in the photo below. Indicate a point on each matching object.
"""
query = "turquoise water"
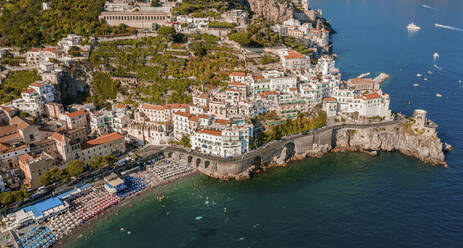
(342, 200)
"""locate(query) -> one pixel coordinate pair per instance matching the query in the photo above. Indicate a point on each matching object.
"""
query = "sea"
(345, 199)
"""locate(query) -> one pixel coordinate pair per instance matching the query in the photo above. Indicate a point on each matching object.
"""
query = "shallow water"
(342, 200)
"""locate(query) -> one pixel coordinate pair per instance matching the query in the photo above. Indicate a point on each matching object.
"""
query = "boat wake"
(429, 7)
(448, 27)
(438, 67)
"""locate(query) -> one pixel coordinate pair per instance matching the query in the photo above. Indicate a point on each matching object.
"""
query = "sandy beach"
(87, 228)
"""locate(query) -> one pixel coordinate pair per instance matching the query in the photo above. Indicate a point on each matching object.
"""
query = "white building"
(230, 142)
(370, 105)
(292, 60)
(150, 133)
(45, 5)
(181, 122)
(33, 99)
(100, 122)
(69, 41)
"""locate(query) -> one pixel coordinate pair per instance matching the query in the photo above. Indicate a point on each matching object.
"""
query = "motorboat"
(413, 27)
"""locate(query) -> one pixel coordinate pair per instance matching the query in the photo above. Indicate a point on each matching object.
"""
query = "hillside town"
(42, 133)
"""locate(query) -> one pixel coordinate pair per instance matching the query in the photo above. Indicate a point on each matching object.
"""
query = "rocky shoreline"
(422, 144)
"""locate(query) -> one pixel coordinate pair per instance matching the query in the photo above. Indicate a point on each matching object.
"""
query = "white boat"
(419, 75)
(435, 56)
(438, 95)
(413, 27)
(416, 85)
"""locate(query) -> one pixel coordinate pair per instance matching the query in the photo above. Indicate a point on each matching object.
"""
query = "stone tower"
(305, 5)
(420, 118)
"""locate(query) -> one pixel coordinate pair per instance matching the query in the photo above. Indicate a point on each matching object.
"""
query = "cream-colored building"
(109, 144)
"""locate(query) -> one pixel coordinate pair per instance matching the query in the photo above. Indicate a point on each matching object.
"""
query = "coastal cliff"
(273, 10)
(421, 144)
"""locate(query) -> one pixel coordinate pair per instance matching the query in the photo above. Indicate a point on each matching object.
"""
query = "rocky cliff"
(422, 144)
(273, 10)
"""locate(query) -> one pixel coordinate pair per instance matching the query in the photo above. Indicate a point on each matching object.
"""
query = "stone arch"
(169, 154)
(257, 161)
(290, 150)
(190, 159)
(198, 162)
(207, 163)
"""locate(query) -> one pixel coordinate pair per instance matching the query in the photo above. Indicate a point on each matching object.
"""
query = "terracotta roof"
(36, 84)
(293, 89)
(258, 77)
(221, 121)
(121, 106)
(238, 74)
(211, 132)
(329, 99)
(25, 158)
(295, 56)
(194, 118)
(237, 84)
(10, 149)
(374, 95)
(74, 130)
(268, 93)
(151, 106)
(325, 31)
(30, 91)
(203, 116)
(50, 49)
(10, 137)
(204, 96)
(184, 114)
(76, 113)
(102, 140)
(35, 49)
(6, 130)
(21, 123)
(176, 106)
(58, 137)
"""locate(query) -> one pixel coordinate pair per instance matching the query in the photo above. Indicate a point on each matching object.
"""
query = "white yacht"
(413, 27)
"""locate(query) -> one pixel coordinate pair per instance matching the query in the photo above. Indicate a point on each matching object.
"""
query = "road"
(277, 143)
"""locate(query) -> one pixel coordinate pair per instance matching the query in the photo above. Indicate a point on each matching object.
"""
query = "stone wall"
(393, 135)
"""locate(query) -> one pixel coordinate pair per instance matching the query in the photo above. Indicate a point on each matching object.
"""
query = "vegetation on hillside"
(258, 35)
(204, 8)
(105, 87)
(16, 83)
(161, 70)
(23, 23)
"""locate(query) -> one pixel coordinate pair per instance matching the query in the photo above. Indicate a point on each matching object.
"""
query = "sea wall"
(399, 135)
